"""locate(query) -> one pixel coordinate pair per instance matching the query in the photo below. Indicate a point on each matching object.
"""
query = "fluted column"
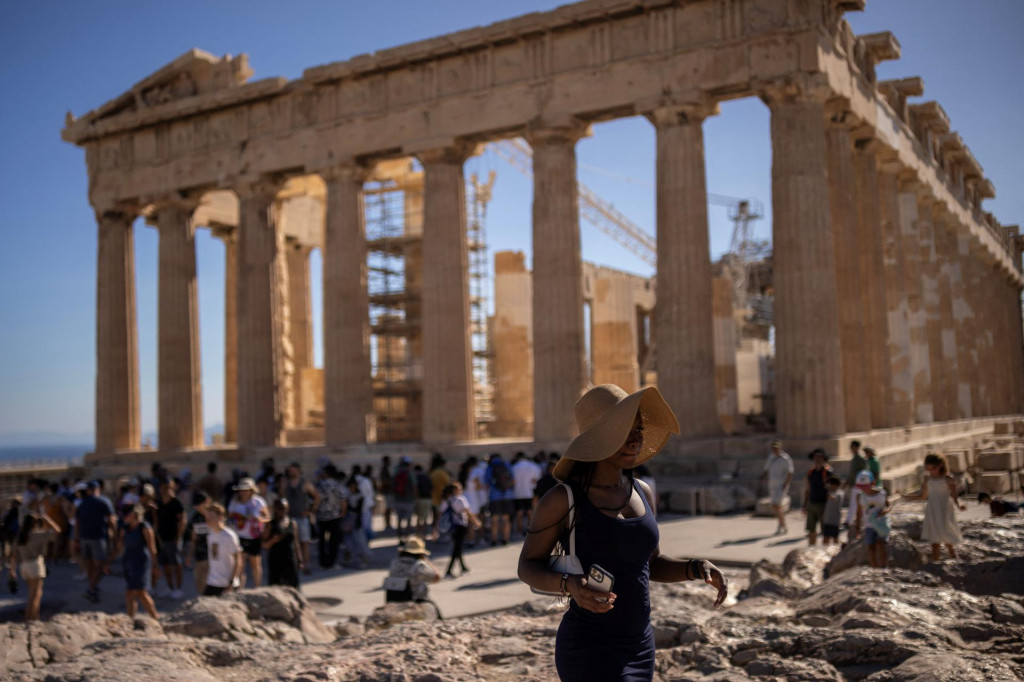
(448, 413)
(559, 371)
(872, 270)
(901, 386)
(117, 346)
(348, 396)
(683, 316)
(300, 331)
(262, 394)
(963, 319)
(179, 395)
(931, 300)
(917, 322)
(1016, 341)
(229, 236)
(809, 376)
(849, 287)
(947, 275)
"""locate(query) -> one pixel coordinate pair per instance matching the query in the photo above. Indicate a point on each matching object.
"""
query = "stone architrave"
(683, 317)
(947, 321)
(448, 413)
(901, 386)
(300, 331)
(179, 394)
(849, 287)
(872, 275)
(262, 316)
(931, 300)
(559, 370)
(920, 360)
(229, 236)
(117, 345)
(809, 377)
(348, 395)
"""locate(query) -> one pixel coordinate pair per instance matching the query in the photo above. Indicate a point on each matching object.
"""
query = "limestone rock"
(395, 613)
(902, 551)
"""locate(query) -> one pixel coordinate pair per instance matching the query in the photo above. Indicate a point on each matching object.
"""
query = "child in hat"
(869, 516)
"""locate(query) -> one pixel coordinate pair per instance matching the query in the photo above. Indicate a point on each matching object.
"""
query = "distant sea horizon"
(30, 454)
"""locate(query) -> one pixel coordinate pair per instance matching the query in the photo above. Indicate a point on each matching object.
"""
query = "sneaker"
(177, 594)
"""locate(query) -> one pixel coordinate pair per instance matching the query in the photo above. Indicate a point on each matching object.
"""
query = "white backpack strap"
(572, 515)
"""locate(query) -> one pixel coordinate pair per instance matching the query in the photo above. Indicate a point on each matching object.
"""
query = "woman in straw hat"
(608, 635)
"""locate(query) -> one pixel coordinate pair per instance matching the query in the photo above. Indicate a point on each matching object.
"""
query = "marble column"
(947, 321)
(117, 346)
(683, 315)
(917, 322)
(849, 287)
(963, 319)
(448, 413)
(1013, 311)
(229, 236)
(874, 335)
(262, 306)
(179, 395)
(809, 375)
(300, 331)
(931, 301)
(901, 387)
(559, 369)
(348, 395)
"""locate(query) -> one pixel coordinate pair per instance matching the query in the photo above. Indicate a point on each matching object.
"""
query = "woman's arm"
(665, 569)
(147, 534)
(547, 525)
(50, 522)
(954, 494)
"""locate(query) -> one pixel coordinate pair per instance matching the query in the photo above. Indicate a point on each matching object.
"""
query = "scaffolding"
(394, 236)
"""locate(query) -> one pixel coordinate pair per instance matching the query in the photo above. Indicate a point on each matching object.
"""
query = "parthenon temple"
(896, 312)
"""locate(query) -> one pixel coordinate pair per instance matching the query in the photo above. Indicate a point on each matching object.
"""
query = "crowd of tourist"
(265, 527)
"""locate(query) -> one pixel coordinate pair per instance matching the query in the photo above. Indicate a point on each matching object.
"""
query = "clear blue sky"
(61, 56)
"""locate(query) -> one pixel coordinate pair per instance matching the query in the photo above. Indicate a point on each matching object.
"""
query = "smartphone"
(600, 579)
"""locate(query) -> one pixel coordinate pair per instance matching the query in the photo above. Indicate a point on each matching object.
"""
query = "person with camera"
(606, 633)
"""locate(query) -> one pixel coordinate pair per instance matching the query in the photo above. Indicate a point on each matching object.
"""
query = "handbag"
(560, 561)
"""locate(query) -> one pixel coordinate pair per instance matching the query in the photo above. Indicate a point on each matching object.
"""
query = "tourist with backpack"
(404, 491)
(502, 499)
(455, 518)
(816, 494)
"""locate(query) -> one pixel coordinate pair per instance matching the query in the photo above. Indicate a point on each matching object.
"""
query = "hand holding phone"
(600, 580)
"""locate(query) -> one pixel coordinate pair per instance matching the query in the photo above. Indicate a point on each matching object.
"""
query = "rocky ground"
(954, 620)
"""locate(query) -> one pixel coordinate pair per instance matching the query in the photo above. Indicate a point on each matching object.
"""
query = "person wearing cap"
(608, 635)
(410, 574)
(248, 512)
(778, 470)
(868, 517)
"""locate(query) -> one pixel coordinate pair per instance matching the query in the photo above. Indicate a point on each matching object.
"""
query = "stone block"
(1000, 460)
(717, 499)
(992, 482)
(957, 462)
(750, 468)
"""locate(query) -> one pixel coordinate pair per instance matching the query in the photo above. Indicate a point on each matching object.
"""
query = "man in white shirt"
(525, 474)
(224, 554)
(778, 470)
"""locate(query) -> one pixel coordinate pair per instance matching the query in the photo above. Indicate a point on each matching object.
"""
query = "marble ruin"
(897, 297)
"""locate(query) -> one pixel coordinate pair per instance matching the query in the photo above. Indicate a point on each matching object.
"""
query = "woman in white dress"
(940, 489)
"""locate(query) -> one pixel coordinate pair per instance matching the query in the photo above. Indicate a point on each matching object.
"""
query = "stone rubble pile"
(960, 620)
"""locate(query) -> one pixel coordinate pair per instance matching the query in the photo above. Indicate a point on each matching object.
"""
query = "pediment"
(194, 73)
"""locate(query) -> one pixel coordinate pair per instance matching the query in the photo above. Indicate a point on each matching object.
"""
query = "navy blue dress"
(135, 562)
(619, 644)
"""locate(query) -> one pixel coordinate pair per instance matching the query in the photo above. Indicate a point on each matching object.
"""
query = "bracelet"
(564, 584)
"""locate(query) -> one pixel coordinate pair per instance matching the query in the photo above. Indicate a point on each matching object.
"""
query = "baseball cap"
(865, 477)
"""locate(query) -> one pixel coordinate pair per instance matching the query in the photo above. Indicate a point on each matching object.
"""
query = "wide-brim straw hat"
(245, 484)
(415, 545)
(605, 415)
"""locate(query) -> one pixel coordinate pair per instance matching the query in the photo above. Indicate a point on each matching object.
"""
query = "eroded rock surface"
(959, 620)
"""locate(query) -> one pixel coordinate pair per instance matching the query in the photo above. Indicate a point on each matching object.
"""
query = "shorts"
(404, 509)
(213, 591)
(305, 532)
(168, 553)
(829, 530)
(502, 507)
(524, 504)
(31, 570)
(872, 537)
(423, 508)
(251, 546)
(778, 492)
(94, 550)
(136, 572)
(815, 510)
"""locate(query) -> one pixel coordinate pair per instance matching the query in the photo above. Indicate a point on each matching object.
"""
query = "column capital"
(909, 182)
(265, 186)
(546, 131)
(225, 233)
(116, 214)
(176, 201)
(682, 113)
(809, 88)
(447, 150)
(345, 171)
(840, 115)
